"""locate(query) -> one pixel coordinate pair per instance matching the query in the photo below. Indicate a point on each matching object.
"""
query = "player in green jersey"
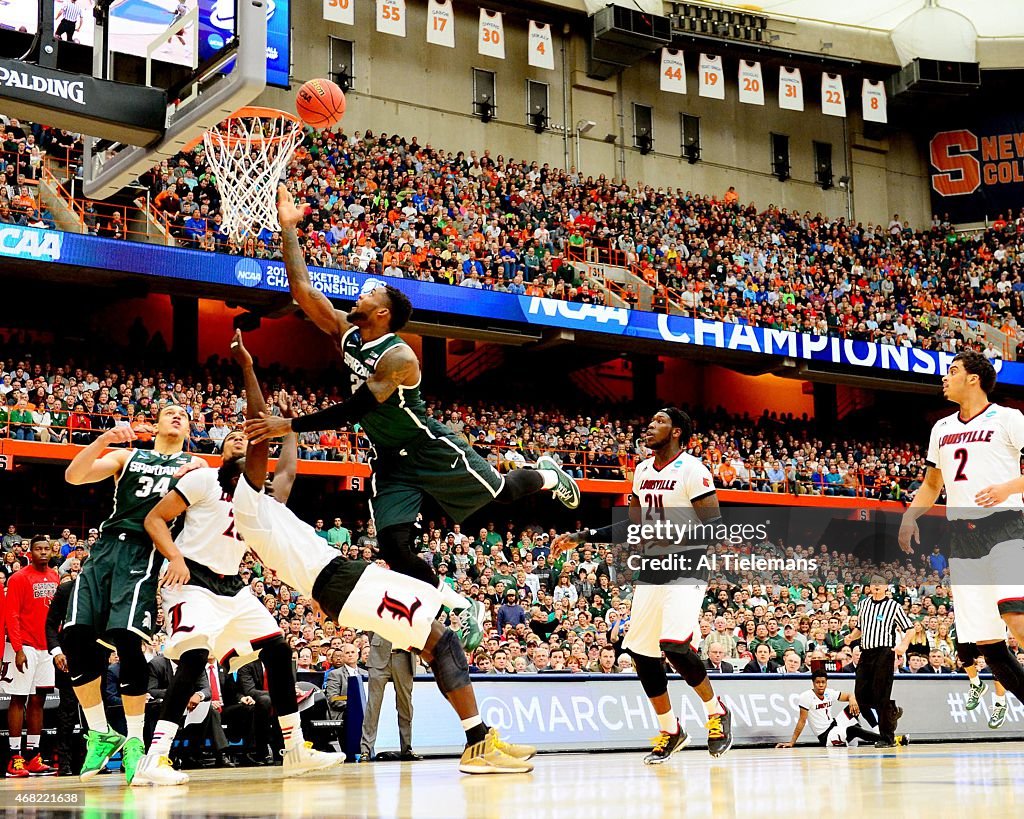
(113, 603)
(413, 454)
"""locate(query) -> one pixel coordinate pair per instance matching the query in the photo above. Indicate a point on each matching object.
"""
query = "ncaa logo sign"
(599, 314)
(29, 243)
(248, 272)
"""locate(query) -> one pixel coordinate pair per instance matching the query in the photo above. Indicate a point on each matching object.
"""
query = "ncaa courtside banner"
(977, 171)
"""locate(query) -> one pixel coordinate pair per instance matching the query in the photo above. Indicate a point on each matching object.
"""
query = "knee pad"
(274, 651)
(1004, 667)
(451, 672)
(134, 677)
(86, 661)
(688, 664)
(968, 653)
(651, 672)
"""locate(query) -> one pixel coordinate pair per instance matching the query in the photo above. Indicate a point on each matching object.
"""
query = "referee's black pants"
(873, 689)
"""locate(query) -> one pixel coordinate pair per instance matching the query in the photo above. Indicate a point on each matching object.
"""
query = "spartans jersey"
(402, 419)
(146, 478)
(208, 537)
(976, 453)
(819, 712)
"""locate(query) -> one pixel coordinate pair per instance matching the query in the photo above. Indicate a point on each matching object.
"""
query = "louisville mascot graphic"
(397, 609)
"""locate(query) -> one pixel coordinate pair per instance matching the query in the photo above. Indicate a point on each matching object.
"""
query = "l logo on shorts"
(397, 609)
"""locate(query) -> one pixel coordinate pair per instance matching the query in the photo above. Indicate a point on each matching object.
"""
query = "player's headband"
(370, 285)
(677, 416)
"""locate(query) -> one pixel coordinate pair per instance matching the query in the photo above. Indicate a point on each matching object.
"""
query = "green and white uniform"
(414, 455)
(116, 589)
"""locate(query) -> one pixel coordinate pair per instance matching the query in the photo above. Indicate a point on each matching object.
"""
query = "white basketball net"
(249, 152)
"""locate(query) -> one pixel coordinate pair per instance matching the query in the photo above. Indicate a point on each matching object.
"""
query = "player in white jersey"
(214, 612)
(817, 704)
(360, 595)
(975, 453)
(670, 486)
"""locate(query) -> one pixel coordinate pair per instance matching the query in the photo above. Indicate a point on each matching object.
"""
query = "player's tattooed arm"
(313, 303)
(399, 368)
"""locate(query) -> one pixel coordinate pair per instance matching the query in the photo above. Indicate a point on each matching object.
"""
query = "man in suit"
(608, 568)
(716, 663)
(267, 740)
(346, 664)
(936, 664)
(762, 662)
(397, 666)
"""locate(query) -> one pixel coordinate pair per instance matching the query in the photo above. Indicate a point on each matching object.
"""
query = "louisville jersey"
(208, 536)
(819, 712)
(976, 453)
(147, 476)
(29, 593)
(401, 419)
(673, 487)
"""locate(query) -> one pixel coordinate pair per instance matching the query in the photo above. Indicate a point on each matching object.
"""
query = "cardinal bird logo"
(397, 608)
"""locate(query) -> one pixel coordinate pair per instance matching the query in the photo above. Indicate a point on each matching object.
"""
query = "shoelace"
(714, 727)
(165, 762)
(501, 745)
(660, 742)
(18, 763)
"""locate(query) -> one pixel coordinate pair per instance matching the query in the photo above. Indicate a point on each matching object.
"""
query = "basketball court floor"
(983, 779)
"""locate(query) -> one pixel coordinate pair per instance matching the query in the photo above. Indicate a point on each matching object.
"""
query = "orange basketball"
(320, 103)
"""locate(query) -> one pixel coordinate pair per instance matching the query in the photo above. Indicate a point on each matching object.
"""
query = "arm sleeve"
(14, 595)
(198, 486)
(932, 457)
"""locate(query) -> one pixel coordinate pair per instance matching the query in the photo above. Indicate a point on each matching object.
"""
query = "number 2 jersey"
(976, 453)
(208, 541)
(147, 476)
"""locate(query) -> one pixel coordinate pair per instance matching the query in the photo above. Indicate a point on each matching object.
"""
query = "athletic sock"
(15, 745)
(975, 682)
(291, 730)
(550, 478)
(713, 707)
(136, 725)
(451, 598)
(668, 722)
(475, 729)
(96, 718)
(163, 737)
(1001, 701)
(32, 745)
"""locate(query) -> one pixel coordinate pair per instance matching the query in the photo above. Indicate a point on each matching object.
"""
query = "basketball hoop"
(249, 152)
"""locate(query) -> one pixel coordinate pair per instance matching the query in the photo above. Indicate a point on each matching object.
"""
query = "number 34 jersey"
(975, 453)
(663, 492)
(147, 476)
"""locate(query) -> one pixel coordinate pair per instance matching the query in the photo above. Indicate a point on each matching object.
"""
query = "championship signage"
(977, 172)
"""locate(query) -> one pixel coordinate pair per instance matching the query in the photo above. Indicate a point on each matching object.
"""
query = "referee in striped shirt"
(70, 14)
(879, 619)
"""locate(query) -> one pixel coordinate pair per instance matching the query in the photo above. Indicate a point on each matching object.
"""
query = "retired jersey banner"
(391, 17)
(542, 52)
(977, 171)
(441, 23)
(833, 99)
(340, 11)
(492, 34)
(873, 101)
(673, 71)
(751, 83)
(791, 89)
(712, 78)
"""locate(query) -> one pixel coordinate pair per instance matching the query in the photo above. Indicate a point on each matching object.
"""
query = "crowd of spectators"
(388, 205)
(67, 402)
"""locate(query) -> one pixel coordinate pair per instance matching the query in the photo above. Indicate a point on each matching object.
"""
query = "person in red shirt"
(29, 592)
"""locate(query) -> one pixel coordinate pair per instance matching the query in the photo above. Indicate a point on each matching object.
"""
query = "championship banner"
(977, 171)
(441, 23)
(872, 97)
(491, 42)
(673, 71)
(751, 83)
(340, 11)
(833, 100)
(712, 78)
(542, 52)
(791, 89)
(391, 17)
